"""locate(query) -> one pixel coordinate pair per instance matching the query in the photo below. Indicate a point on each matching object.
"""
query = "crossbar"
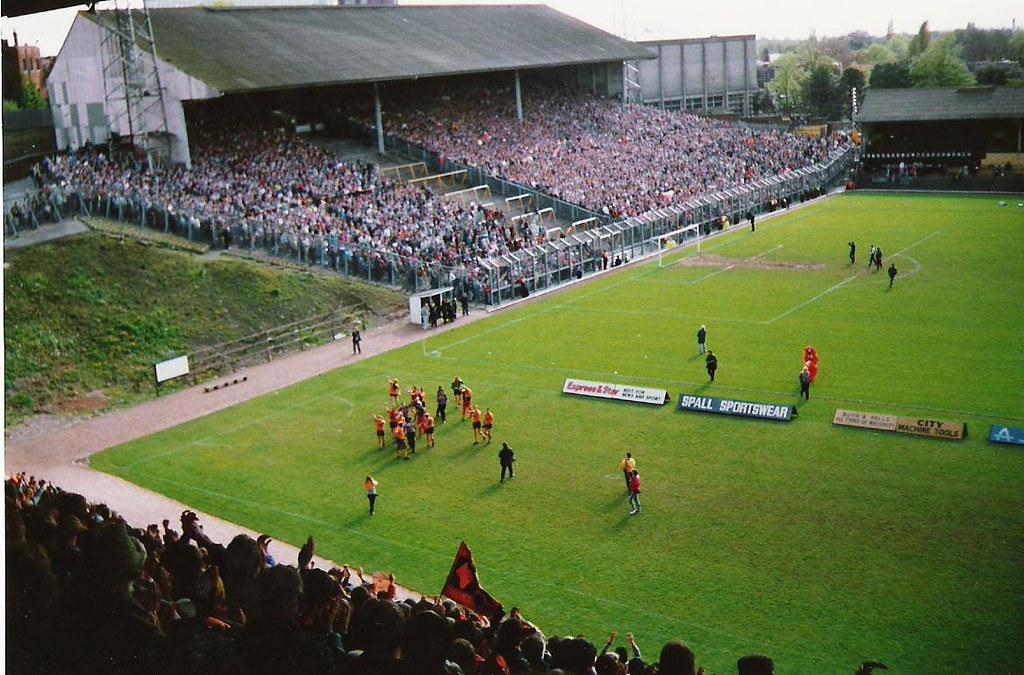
(414, 168)
(475, 190)
(440, 176)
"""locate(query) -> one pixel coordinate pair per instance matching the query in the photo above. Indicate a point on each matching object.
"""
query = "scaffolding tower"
(631, 87)
(131, 81)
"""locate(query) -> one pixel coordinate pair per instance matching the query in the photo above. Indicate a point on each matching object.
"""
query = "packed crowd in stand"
(613, 159)
(252, 184)
(88, 592)
(270, 184)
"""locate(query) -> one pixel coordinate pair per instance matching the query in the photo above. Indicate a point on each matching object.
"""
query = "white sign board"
(168, 370)
(618, 392)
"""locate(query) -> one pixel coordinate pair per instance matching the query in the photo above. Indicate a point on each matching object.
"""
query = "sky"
(669, 19)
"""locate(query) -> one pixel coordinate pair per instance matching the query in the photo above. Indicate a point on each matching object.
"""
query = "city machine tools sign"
(903, 425)
(618, 392)
(728, 406)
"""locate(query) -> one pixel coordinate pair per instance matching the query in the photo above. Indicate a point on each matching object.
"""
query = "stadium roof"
(245, 49)
(14, 8)
(931, 105)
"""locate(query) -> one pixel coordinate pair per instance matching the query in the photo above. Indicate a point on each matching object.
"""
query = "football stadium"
(528, 369)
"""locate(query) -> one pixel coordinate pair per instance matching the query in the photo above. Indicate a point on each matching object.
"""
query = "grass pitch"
(821, 546)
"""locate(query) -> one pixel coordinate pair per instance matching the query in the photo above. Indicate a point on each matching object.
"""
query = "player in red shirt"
(467, 397)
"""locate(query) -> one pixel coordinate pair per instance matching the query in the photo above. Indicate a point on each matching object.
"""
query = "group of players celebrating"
(409, 420)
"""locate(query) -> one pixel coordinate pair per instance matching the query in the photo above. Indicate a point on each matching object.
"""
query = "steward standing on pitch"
(712, 364)
(442, 405)
(507, 457)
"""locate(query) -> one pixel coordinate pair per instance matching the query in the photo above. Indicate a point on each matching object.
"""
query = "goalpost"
(669, 242)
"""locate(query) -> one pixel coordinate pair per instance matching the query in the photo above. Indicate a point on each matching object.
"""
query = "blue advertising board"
(1001, 434)
(728, 406)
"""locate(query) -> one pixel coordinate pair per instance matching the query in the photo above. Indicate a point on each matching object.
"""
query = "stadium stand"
(271, 190)
(613, 159)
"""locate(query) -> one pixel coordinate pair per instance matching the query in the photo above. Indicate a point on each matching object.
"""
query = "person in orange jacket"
(379, 423)
(488, 424)
(474, 416)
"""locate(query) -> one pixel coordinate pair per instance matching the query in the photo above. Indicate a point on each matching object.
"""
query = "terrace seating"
(613, 159)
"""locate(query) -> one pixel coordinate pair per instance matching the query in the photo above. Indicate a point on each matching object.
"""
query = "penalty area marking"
(729, 267)
(884, 278)
(842, 283)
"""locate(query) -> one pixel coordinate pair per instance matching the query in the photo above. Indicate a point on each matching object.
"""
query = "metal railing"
(553, 263)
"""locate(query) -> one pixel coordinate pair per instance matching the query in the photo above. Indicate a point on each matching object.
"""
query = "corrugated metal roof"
(927, 105)
(239, 49)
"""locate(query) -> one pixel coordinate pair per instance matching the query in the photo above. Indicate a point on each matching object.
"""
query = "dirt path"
(58, 449)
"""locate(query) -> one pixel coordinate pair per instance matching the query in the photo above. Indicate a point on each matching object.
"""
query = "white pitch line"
(846, 281)
(807, 302)
(729, 267)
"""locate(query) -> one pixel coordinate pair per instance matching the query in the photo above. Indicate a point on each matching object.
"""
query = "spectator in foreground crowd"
(138, 601)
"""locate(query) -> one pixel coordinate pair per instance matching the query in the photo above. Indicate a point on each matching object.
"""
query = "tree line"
(818, 77)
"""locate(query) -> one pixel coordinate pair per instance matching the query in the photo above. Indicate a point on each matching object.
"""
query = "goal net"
(670, 243)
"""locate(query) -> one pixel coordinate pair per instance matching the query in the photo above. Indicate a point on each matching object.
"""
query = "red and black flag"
(463, 586)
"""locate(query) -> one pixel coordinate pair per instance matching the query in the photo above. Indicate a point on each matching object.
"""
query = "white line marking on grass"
(512, 385)
(845, 281)
(807, 302)
(729, 267)
(881, 279)
(263, 506)
(661, 315)
(333, 526)
(627, 278)
(210, 440)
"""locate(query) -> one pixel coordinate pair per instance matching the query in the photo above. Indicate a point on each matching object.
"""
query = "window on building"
(716, 102)
(694, 103)
(736, 103)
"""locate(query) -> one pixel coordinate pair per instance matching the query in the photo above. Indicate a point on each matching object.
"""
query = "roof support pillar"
(377, 119)
(519, 99)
